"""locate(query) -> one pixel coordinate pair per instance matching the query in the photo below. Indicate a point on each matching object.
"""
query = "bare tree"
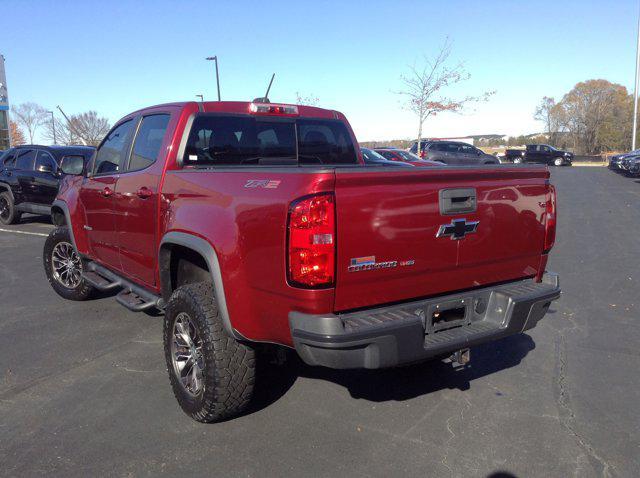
(85, 128)
(90, 127)
(63, 134)
(424, 86)
(544, 113)
(306, 100)
(16, 136)
(31, 116)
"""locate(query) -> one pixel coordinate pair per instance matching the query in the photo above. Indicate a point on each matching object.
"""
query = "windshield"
(246, 140)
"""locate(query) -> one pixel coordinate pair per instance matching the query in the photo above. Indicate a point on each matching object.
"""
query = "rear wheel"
(64, 266)
(517, 160)
(8, 213)
(211, 373)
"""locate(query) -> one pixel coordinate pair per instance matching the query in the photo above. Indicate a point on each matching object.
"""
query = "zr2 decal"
(262, 183)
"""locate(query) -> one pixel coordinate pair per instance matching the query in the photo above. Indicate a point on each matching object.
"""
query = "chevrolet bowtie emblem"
(458, 229)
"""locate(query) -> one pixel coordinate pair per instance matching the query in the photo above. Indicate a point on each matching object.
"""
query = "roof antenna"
(266, 95)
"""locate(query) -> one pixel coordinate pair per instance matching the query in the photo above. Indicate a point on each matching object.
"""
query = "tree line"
(596, 116)
(87, 128)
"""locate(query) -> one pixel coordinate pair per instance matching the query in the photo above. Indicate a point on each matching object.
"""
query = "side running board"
(132, 296)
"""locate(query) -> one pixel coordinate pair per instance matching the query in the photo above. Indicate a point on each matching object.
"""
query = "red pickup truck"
(252, 224)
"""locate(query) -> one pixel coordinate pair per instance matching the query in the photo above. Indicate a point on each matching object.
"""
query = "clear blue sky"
(117, 56)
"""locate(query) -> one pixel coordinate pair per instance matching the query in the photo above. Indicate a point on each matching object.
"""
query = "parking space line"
(24, 232)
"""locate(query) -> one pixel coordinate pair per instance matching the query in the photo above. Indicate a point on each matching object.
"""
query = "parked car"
(30, 176)
(616, 162)
(398, 155)
(253, 224)
(371, 158)
(540, 153)
(453, 152)
(633, 166)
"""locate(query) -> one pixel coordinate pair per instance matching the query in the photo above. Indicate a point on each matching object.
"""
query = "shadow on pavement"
(33, 218)
(396, 384)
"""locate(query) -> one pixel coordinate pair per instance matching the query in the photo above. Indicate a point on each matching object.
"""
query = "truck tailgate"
(387, 223)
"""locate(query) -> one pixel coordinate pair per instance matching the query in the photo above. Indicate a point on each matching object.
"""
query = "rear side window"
(25, 159)
(111, 154)
(148, 141)
(245, 140)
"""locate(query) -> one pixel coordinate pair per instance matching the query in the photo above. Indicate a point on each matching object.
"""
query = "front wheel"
(8, 213)
(211, 373)
(517, 160)
(558, 162)
(64, 266)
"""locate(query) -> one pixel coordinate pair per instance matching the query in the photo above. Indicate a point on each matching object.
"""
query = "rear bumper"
(405, 333)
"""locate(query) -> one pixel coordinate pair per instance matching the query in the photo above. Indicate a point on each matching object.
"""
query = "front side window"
(25, 159)
(44, 162)
(245, 140)
(148, 141)
(111, 154)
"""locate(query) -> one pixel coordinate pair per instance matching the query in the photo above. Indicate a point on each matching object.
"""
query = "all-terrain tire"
(8, 213)
(228, 366)
(79, 289)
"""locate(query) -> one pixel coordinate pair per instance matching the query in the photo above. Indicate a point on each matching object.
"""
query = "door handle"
(144, 192)
(107, 192)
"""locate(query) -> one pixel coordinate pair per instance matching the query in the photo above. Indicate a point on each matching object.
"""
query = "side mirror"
(45, 168)
(72, 165)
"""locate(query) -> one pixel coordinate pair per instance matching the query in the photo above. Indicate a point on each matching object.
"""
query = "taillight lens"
(312, 241)
(551, 215)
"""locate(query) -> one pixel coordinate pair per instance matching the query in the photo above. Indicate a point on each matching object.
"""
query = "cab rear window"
(228, 140)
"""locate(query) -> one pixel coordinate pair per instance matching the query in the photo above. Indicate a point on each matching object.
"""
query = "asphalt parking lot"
(84, 391)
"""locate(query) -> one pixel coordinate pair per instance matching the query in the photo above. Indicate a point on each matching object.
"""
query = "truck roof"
(243, 107)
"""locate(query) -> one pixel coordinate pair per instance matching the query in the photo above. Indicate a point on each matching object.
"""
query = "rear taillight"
(312, 241)
(551, 215)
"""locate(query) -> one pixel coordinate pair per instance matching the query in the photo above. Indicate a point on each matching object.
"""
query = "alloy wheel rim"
(66, 265)
(186, 355)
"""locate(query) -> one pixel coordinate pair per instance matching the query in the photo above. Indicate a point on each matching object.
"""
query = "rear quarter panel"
(247, 227)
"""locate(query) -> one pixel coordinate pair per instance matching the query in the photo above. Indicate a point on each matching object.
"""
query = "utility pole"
(635, 90)
(53, 126)
(215, 58)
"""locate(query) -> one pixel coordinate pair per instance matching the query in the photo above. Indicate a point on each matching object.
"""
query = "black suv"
(30, 176)
(453, 152)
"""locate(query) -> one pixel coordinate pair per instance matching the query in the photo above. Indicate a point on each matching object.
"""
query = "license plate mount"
(448, 315)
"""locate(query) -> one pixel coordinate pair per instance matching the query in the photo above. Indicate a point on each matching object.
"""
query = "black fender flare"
(67, 216)
(208, 253)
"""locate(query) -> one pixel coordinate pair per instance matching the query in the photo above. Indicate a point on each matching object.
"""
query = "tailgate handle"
(457, 201)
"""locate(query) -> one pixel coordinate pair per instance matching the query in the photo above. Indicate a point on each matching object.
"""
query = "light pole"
(635, 90)
(201, 98)
(215, 58)
(53, 126)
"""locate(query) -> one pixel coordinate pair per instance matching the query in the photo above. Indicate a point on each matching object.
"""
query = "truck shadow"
(396, 384)
(35, 218)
